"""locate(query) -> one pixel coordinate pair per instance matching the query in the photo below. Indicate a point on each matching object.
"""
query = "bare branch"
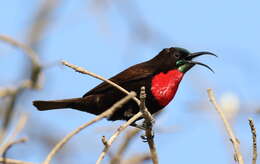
(115, 135)
(33, 83)
(107, 113)
(104, 140)
(147, 115)
(84, 71)
(10, 91)
(10, 106)
(13, 161)
(254, 146)
(27, 50)
(229, 130)
(18, 128)
(41, 21)
(10, 144)
(148, 125)
(123, 146)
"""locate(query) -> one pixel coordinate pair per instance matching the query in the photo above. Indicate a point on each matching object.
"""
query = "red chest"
(164, 86)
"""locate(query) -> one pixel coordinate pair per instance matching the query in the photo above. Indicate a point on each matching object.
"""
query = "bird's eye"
(177, 55)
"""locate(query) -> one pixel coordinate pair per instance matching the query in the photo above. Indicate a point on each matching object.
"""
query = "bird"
(160, 76)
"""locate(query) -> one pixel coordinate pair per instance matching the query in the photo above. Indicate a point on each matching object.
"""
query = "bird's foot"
(144, 126)
(145, 138)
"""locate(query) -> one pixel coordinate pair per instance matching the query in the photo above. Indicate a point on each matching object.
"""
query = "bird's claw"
(145, 138)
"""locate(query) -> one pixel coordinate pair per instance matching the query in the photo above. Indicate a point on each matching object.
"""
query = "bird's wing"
(133, 73)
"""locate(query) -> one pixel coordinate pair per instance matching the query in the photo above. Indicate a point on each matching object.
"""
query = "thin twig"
(18, 128)
(123, 146)
(104, 140)
(36, 66)
(27, 50)
(14, 93)
(84, 71)
(9, 91)
(149, 126)
(115, 135)
(33, 83)
(147, 115)
(41, 20)
(107, 113)
(10, 144)
(234, 140)
(254, 145)
(13, 161)
(9, 112)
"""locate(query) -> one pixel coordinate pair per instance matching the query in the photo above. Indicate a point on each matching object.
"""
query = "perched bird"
(161, 77)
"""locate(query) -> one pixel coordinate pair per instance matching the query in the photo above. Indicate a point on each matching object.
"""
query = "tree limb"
(254, 145)
(148, 126)
(234, 140)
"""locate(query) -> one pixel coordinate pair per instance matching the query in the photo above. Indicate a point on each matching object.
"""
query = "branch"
(84, 71)
(27, 50)
(127, 139)
(36, 66)
(32, 83)
(148, 126)
(10, 91)
(107, 113)
(10, 108)
(41, 20)
(13, 161)
(147, 115)
(254, 146)
(10, 144)
(18, 128)
(115, 135)
(234, 140)
(13, 93)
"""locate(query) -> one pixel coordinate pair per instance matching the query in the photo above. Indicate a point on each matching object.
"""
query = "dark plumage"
(103, 96)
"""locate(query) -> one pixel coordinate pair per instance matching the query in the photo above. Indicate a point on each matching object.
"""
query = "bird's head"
(179, 58)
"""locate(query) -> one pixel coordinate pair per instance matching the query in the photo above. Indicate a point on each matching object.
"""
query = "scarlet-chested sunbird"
(160, 75)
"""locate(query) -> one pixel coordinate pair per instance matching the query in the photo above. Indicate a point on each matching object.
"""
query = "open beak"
(197, 54)
(188, 63)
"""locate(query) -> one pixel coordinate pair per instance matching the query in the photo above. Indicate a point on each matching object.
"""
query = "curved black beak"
(199, 63)
(197, 54)
(189, 58)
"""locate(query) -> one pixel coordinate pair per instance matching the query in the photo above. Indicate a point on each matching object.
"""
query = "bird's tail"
(56, 104)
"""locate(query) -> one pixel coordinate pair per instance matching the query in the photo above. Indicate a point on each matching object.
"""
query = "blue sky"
(104, 42)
